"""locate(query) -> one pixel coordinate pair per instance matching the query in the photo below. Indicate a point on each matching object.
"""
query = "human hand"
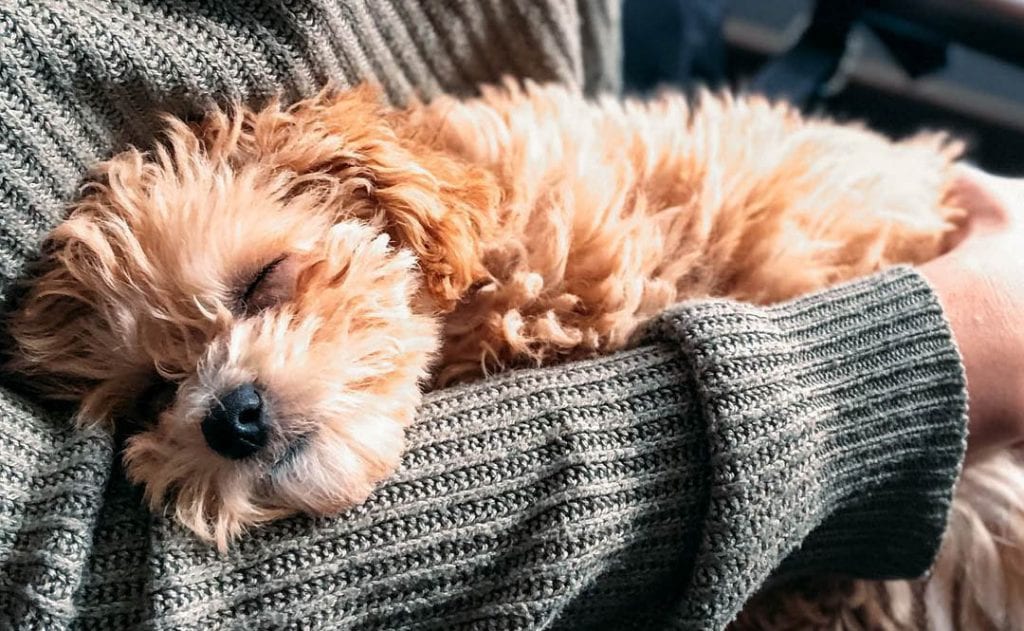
(980, 283)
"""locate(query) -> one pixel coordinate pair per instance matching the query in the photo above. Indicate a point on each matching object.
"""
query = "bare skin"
(980, 283)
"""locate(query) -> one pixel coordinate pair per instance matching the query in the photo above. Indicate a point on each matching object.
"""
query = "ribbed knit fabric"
(655, 488)
(853, 404)
(650, 489)
(80, 79)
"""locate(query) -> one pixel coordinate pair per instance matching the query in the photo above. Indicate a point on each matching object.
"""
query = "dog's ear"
(61, 336)
(440, 207)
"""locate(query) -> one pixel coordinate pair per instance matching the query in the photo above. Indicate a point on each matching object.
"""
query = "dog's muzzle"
(236, 426)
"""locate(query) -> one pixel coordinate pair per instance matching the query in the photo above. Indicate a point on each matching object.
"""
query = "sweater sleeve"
(836, 427)
(656, 487)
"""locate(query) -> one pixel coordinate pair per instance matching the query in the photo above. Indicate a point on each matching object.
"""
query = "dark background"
(900, 66)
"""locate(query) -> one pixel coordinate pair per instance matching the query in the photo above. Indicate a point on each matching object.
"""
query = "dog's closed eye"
(270, 286)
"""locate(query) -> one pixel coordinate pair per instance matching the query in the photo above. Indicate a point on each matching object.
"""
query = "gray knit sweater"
(658, 487)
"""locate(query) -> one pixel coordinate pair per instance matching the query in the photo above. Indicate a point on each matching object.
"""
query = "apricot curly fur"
(446, 241)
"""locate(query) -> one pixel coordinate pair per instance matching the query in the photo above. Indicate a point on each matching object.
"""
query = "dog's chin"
(330, 471)
(322, 470)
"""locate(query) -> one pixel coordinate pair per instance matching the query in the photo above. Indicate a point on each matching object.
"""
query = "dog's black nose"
(236, 426)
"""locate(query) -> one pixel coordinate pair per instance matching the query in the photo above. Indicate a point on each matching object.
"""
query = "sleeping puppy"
(260, 301)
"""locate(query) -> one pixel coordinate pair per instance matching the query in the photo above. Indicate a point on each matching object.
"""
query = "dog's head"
(255, 301)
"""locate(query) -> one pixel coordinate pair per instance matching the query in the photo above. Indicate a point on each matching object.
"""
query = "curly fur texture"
(449, 240)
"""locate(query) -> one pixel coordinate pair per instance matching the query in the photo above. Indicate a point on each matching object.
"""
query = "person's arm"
(836, 426)
(662, 483)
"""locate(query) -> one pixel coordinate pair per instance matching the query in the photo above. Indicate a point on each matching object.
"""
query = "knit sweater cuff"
(842, 415)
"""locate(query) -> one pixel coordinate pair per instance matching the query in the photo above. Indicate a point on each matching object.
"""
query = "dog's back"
(612, 211)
